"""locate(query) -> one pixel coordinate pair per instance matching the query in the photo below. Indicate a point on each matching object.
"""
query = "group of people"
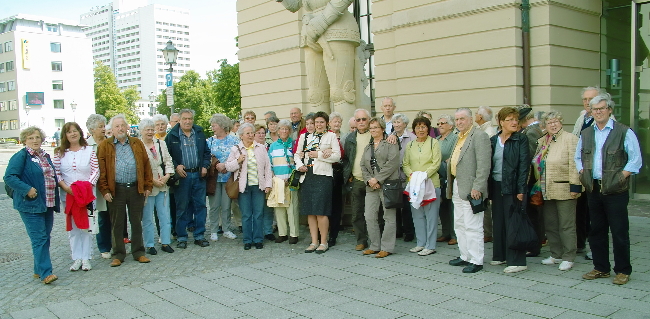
(306, 165)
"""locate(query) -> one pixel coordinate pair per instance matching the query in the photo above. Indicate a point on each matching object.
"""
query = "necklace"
(420, 144)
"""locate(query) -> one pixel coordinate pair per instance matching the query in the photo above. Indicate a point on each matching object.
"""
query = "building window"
(2, 67)
(3, 87)
(9, 66)
(13, 124)
(59, 122)
(9, 46)
(57, 85)
(57, 66)
(13, 105)
(11, 86)
(55, 47)
(4, 125)
(3, 106)
(53, 28)
(58, 104)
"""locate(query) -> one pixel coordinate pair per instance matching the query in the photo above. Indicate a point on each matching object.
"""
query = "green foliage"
(109, 100)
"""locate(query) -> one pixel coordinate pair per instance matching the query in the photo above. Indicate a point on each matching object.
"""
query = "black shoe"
(152, 251)
(220, 231)
(331, 242)
(281, 239)
(240, 229)
(247, 246)
(270, 237)
(181, 244)
(409, 237)
(259, 245)
(399, 235)
(167, 249)
(471, 268)
(293, 240)
(458, 262)
(529, 254)
(202, 242)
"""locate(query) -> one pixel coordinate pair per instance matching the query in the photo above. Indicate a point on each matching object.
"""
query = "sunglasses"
(440, 123)
(361, 119)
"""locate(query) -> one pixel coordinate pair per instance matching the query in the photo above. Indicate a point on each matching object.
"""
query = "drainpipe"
(525, 36)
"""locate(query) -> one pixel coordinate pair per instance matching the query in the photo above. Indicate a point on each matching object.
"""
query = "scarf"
(539, 165)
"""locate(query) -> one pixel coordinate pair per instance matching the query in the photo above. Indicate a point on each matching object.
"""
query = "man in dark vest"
(606, 155)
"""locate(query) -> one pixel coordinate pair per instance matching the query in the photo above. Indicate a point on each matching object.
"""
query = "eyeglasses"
(440, 123)
(361, 119)
(598, 109)
(249, 118)
(553, 123)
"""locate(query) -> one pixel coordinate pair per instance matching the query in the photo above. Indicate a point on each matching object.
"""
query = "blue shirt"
(188, 149)
(631, 145)
(220, 148)
(125, 168)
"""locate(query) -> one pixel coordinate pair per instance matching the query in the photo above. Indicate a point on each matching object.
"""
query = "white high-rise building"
(46, 74)
(127, 35)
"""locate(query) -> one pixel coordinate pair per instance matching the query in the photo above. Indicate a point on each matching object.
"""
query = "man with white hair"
(388, 107)
(483, 118)
(352, 123)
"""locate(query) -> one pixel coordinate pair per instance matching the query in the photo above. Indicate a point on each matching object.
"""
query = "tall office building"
(127, 35)
(46, 74)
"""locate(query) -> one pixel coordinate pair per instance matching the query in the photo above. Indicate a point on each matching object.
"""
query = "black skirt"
(316, 194)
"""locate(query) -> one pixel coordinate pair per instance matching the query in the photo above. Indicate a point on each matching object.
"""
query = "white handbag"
(93, 221)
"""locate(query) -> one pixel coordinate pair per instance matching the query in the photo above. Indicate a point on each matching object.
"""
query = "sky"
(214, 23)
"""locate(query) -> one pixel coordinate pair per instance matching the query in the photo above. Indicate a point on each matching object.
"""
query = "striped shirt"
(281, 158)
(188, 148)
(251, 166)
(125, 169)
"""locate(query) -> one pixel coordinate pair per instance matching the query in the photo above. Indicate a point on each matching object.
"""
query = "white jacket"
(322, 166)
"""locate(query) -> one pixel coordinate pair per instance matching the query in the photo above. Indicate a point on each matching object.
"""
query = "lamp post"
(27, 109)
(170, 53)
(73, 106)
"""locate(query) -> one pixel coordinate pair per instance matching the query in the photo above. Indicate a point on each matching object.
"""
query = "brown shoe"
(281, 239)
(115, 263)
(359, 247)
(143, 259)
(621, 279)
(595, 274)
(49, 279)
(442, 238)
(293, 240)
(37, 276)
(452, 242)
(369, 252)
(487, 239)
(383, 254)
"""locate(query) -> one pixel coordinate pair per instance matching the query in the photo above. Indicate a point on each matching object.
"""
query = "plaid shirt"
(188, 148)
(125, 170)
(48, 174)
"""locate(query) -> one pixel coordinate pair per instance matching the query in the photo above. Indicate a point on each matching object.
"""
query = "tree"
(227, 89)
(109, 100)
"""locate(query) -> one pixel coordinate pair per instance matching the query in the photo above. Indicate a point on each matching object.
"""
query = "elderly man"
(173, 120)
(125, 181)
(467, 174)
(191, 157)
(352, 123)
(388, 107)
(607, 181)
(355, 143)
(483, 118)
(269, 114)
(297, 122)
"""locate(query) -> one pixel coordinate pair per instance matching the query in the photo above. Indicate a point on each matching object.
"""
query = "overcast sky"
(214, 23)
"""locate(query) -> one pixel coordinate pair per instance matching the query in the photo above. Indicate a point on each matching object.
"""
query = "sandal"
(320, 251)
(309, 249)
(49, 279)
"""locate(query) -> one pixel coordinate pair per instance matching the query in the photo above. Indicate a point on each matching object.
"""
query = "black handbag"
(173, 180)
(521, 233)
(478, 205)
(294, 178)
(393, 190)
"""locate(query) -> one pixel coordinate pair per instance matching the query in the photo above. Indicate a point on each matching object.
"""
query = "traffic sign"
(169, 78)
(170, 96)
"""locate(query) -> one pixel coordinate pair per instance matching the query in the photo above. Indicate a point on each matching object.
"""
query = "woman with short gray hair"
(404, 218)
(447, 140)
(272, 130)
(160, 123)
(220, 145)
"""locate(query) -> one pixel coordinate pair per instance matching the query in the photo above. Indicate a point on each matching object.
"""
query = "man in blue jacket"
(191, 157)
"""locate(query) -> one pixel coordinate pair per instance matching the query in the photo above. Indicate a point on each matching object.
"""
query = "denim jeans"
(104, 237)
(190, 201)
(251, 204)
(268, 219)
(161, 203)
(39, 227)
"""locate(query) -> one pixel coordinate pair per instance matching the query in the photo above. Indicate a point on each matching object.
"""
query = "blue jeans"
(251, 204)
(268, 219)
(161, 203)
(104, 241)
(39, 227)
(190, 201)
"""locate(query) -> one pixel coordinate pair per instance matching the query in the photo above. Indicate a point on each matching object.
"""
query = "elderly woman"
(317, 152)
(75, 161)
(423, 155)
(220, 145)
(507, 184)
(162, 169)
(96, 125)
(434, 131)
(160, 125)
(380, 162)
(447, 140)
(272, 132)
(336, 121)
(250, 117)
(559, 184)
(32, 177)
(282, 164)
(267, 224)
(403, 215)
(250, 161)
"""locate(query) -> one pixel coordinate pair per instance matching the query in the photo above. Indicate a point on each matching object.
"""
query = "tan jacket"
(473, 165)
(106, 158)
(560, 171)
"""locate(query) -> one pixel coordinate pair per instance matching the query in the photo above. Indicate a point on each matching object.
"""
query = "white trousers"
(469, 229)
(80, 243)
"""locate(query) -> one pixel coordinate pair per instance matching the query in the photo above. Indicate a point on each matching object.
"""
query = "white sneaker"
(551, 261)
(214, 237)
(85, 265)
(229, 235)
(426, 251)
(565, 265)
(416, 249)
(497, 262)
(76, 265)
(106, 255)
(511, 269)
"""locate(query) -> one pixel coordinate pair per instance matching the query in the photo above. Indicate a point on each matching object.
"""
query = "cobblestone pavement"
(280, 281)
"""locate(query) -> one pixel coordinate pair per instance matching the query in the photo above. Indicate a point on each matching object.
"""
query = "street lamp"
(170, 53)
(73, 105)
(152, 99)
(27, 109)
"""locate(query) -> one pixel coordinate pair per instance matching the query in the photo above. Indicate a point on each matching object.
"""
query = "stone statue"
(330, 37)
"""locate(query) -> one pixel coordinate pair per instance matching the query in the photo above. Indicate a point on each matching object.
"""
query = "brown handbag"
(232, 185)
(211, 182)
(537, 199)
